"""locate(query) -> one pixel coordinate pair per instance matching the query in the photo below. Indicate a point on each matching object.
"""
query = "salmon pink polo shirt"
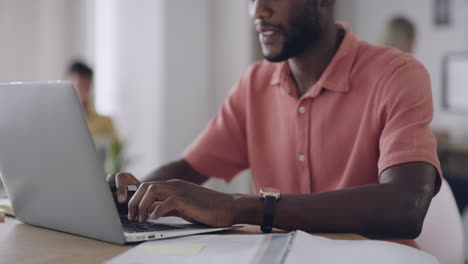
(369, 111)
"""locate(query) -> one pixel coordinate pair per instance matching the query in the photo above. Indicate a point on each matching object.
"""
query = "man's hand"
(187, 200)
(121, 181)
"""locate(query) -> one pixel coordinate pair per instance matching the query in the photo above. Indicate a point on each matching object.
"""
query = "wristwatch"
(270, 195)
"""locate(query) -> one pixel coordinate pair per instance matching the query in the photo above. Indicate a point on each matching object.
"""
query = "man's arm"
(393, 209)
(177, 170)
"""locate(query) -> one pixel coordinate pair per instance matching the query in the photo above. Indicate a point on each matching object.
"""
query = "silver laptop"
(52, 173)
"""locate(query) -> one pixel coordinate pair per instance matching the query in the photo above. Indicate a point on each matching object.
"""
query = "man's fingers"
(111, 178)
(147, 201)
(154, 205)
(169, 205)
(135, 201)
(142, 202)
(121, 182)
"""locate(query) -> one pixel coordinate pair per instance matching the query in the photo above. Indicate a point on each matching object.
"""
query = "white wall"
(188, 95)
(231, 52)
(368, 19)
(130, 67)
(38, 38)
(168, 64)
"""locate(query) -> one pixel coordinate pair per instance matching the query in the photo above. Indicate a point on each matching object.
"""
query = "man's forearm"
(180, 170)
(376, 211)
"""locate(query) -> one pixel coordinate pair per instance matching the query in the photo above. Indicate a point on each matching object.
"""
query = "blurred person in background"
(400, 33)
(101, 127)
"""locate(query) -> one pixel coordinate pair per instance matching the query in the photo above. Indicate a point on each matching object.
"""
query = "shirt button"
(302, 158)
(302, 110)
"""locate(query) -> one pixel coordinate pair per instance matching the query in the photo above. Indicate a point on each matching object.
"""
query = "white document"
(312, 249)
(225, 249)
(293, 248)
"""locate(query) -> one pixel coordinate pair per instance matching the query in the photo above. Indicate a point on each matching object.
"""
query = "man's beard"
(306, 33)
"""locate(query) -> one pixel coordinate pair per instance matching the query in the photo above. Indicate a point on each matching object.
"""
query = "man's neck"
(308, 67)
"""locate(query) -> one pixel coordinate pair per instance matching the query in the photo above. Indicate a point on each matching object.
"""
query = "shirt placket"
(302, 143)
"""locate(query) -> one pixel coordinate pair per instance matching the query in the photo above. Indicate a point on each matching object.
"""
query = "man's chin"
(275, 58)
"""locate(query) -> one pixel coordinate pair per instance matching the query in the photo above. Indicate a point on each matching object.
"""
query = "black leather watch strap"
(269, 214)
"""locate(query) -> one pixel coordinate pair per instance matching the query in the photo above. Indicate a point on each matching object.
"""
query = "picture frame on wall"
(442, 12)
(455, 83)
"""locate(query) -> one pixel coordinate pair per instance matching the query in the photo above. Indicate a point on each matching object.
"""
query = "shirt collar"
(336, 75)
(278, 73)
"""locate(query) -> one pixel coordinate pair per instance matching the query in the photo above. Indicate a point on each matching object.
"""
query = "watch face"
(264, 192)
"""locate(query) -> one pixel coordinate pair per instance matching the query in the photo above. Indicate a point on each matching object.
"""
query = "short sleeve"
(406, 109)
(220, 150)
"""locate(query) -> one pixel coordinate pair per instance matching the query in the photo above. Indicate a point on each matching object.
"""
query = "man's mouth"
(268, 36)
(268, 33)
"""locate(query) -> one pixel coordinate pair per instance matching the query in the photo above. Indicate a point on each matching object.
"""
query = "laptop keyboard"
(137, 227)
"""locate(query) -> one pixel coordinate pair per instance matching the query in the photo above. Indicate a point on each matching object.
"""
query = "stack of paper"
(225, 249)
(292, 248)
(313, 249)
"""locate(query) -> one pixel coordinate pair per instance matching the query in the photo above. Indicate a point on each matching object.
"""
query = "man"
(400, 33)
(101, 127)
(338, 126)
